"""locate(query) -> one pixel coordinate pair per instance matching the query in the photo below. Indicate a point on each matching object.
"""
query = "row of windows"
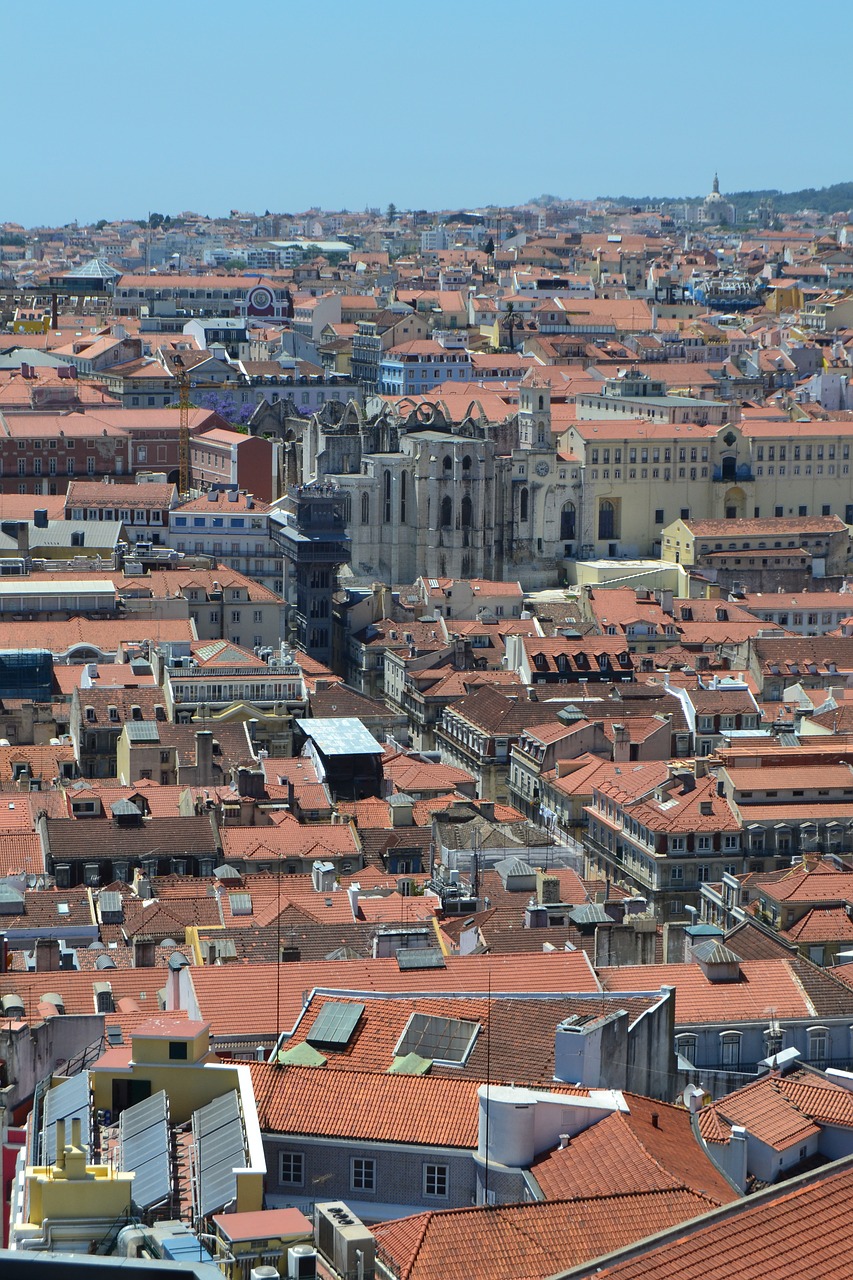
(218, 522)
(291, 1169)
(51, 444)
(798, 451)
(683, 455)
(51, 467)
(687, 1045)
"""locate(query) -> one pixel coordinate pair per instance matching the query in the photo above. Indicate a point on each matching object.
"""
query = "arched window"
(386, 496)
(607, 522)
(467, 512)
(524, 503)
(541, 402)
(818, 1046)
(730, 1048)
(466, 462)
(446, 513)
(567, 522)
(365, 508)
(686, 1046)
(448, 463)
(404, 478)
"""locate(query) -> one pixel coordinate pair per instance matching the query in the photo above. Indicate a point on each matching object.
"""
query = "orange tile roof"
(288, 839)
(651, 1147)
(416, 776)
(278, 990)
(780, 1110)
(822, 924)
(371, 812)
(20, 854)
(108, 636)
(762, 986)
(286, 768)
(799, 1229)
(818, 883)
(45, 761)
(367, 1106)
(527, 1241)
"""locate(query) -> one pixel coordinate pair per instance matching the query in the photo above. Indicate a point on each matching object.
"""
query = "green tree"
(489, 247)
(391, 212)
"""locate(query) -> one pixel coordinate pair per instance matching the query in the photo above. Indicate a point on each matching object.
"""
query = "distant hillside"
(834, 199)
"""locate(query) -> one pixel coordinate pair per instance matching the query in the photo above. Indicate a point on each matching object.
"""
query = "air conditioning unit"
(343, 1240)
(301, 1262)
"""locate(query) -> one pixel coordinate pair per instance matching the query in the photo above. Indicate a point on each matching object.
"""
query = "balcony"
(633, 872)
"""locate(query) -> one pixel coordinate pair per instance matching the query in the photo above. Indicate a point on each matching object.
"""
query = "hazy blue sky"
(114, 109)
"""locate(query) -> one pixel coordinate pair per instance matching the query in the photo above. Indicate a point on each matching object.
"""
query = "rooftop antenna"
(488, 1077)
(278, 959)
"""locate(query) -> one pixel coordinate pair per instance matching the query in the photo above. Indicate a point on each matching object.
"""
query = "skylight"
(443, 1040)
(334, 1024)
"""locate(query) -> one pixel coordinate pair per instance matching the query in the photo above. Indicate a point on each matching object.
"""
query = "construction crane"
(185, 385)
(183, 426)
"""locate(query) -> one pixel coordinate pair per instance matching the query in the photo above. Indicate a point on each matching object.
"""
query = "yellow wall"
(187, 1087)
(651, 574)
(31, 326)
(492, 332)
(248, 1253)
(156, 1048)
(102, 1193)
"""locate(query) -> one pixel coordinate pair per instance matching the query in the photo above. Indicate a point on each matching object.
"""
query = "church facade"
(464, 498)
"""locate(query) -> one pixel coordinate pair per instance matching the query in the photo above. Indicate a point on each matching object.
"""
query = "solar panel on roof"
(225, 1146)
(144, 1149)
(153, 1181)
(220, 1148)
(216, 1113)
(142, 1115)
(439, 1039)
(67, 1101)
(421, 958)
(335, 1024)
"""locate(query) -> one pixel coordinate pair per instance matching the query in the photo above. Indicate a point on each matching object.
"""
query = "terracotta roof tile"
(506, 1025)
(371, 1106)
(20, 854)
(651, 1147)
(780, 985)
(528, 1241)
(799, 1229)
(279, 989)
(822, 924)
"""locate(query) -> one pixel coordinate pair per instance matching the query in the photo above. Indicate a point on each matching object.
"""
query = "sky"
(436, 104)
